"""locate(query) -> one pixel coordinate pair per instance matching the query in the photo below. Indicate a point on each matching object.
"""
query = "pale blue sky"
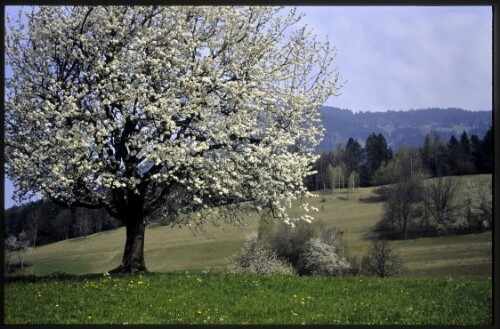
(399, 58)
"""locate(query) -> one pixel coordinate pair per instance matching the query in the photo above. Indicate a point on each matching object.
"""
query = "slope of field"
(177, 249)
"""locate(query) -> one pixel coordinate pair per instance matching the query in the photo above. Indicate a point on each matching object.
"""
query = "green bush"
(290, 243)
(309, 248)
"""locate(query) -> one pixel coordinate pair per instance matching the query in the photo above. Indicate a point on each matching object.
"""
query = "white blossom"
(322, 259)
(217, 103)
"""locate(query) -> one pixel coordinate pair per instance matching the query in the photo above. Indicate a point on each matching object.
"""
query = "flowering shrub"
(293, 244)
(475, 213)
(322, 259)
(307, 248)
(19, 245)
(257, 259)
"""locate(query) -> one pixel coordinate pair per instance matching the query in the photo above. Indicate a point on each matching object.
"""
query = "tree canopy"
(133, 108)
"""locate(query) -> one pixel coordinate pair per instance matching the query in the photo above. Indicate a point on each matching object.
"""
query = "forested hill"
(400, 127)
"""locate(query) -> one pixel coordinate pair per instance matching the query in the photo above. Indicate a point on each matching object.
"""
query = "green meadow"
(218, 298)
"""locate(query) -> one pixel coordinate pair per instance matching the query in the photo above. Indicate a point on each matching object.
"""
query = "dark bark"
(133, 255)
(405, 227)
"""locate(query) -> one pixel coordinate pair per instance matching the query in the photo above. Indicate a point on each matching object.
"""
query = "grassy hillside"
(177, 249)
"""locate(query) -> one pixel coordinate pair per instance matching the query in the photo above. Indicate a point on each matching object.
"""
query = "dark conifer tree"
(352, 155)
(377, 152)
(453, 157)
(434, 155)
(487, 152)
(464, 142)
(475, 152)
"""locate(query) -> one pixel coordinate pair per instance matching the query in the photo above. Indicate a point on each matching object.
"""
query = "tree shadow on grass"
(372, 199)
(16, 269)
(62, 276)
(76, 239)
(370, 235)
(56, 276)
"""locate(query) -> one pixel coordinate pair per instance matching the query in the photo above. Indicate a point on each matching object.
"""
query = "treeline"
(376, 164)
(42, 222)
(405, 127)
(416, 207)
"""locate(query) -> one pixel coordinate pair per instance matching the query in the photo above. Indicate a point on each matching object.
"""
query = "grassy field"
(218, 298)
(176, 249)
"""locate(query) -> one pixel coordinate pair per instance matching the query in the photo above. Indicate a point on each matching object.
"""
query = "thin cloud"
(409, 57)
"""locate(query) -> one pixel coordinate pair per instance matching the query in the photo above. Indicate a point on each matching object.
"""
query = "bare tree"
(82, 222)
(9, 247)
(17, 245)
(441, 193)
(352, 182)
(402, 202)
(339, 173)
(331, 175)
(425, 206)
(33, 224)
(63, 220)
(381, 260)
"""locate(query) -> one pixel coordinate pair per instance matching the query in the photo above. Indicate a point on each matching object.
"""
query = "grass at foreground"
(218, 298)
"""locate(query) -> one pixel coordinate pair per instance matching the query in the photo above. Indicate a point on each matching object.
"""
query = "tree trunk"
(21, 258)
(133, 255)
(85, 226)
(8, 260)
(35, 231)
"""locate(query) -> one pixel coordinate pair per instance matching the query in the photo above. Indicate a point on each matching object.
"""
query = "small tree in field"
(331, 176)
(486, 205)
(441, 193)
(381, 260)
(127, 108)
(471, 210)
(19, 245)
(403, 200)
(352, 182)
(475, 212)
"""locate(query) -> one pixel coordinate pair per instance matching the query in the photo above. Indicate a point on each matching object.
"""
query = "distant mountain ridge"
(400, 127)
